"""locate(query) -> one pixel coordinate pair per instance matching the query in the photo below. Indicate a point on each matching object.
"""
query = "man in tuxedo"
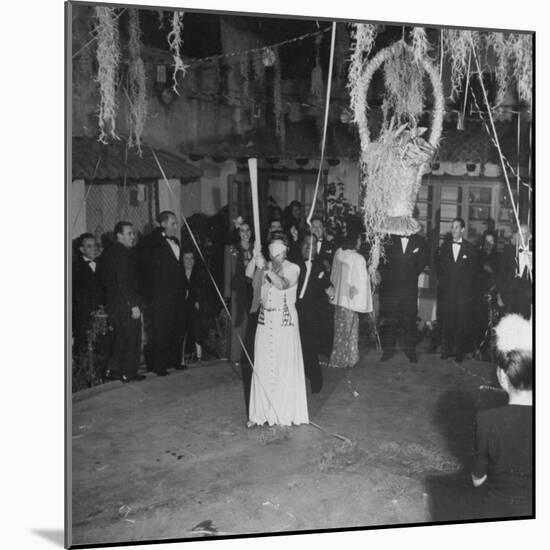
(515, 277)
(167, 290)
(310, 309)
(323, 259)
(457, 266)
(88, 293)
(118, 275)
(405, 257)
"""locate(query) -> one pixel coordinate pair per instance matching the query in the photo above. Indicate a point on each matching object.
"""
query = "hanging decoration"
(393, 165)
(258, 66)
(160, 14)
(403, 76)
(108, 57)
(514, 63)
(420, 44)
(456, 44)
(175, 42)
(136, 82)
(269, 57)
(317, 73)
(362, 36)
(244, 65)
(278, 110)
(498, 42)
(513, 53)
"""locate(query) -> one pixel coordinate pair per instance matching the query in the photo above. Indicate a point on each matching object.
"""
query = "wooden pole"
(253, 169)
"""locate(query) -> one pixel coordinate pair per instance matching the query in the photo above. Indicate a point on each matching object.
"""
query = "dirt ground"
(172, 457)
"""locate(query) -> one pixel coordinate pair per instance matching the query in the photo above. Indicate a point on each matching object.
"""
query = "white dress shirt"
(91, 263)
(456, 249)
(404, 243)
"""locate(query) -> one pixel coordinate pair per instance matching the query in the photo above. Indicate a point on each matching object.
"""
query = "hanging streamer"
(501, 156)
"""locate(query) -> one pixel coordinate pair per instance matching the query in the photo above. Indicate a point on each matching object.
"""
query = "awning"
(115, 162)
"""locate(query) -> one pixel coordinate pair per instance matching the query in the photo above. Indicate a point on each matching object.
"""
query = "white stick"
(253, 169)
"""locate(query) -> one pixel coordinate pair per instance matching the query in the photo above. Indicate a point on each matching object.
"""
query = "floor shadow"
(331, 379)
(453, 497)
(57, 536)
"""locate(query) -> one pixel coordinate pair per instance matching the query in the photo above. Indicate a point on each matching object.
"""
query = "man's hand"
(500, 303)
(352, 292)
(197, 306)
(136, 313)
(331, 293)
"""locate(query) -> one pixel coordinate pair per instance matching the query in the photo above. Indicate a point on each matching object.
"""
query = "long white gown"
(278, 391)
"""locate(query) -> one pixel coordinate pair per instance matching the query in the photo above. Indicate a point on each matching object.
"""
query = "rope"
(480, 77)
(260, 48)
(220, 296)
(508, 165)
(94, 37)
(87, 192)
(225, 55)
(323, 144)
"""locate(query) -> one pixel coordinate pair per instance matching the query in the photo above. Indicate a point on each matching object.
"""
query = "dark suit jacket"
(399, 272)
(88, 293)
(326, 255)
(193, 289)
(457, 279)
(166, 271)
(118, 274)
(310, 307)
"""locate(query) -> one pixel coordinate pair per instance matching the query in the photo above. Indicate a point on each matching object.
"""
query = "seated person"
(504, 437)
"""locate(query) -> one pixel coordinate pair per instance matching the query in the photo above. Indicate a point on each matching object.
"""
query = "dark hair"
(80, 240)
(517, 364)
(119, 227)
(164, 216)
(349, 242)
(271, 221)
(488, 233)
(236, 238)
(273, 209)
(277, 236)
(461, 221)
(188, 249)
(295, 203)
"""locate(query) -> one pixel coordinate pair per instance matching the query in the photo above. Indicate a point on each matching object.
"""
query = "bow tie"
(457, 242)
(173, 239)
(88, 261)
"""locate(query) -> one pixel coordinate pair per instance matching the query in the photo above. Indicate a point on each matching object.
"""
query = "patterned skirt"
(345, 348)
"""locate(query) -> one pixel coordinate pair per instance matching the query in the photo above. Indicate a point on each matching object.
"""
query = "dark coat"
(193, 289)
(311, 307)
(457, 279)
(166, 272)
(399, 271)
(117, 272)
(326, 255)
(515, 291)
(88, 293)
